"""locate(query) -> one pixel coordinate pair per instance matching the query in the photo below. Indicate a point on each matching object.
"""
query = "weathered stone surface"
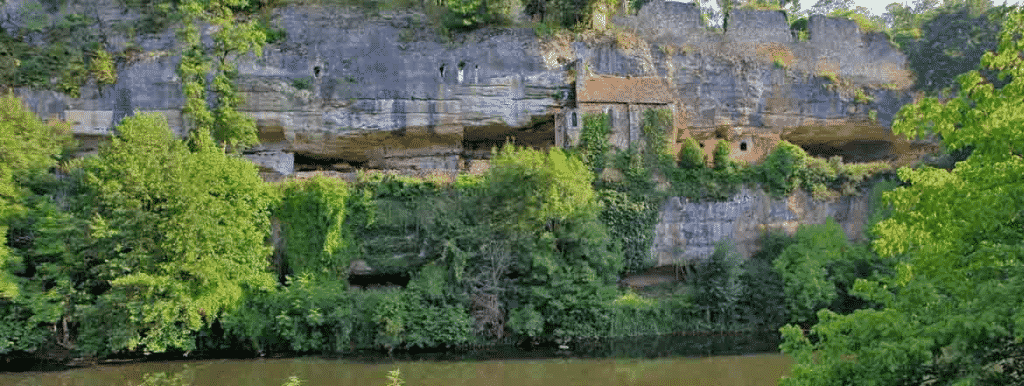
(386, 93)
(687, 231)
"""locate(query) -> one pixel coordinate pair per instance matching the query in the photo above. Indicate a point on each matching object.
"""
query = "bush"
(692, 156)
(782, 169)
(317, 240)
(307, 315)
(722, 160)
(718, 287)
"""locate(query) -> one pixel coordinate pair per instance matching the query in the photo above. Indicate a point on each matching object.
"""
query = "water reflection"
(615, 362)
(759, 370)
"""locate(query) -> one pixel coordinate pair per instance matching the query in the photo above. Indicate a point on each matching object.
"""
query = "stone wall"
(758, 26)
(688, 231)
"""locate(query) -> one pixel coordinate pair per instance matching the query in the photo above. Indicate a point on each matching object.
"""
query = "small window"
(441, 70)
(743, 146)
(462, 65)
(316, 71)
(574, 124)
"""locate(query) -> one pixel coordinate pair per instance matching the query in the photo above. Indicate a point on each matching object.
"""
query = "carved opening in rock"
(441, 70)
(852, 151)
(306, 163)
(611, 115)
(462, 65)
(316, 71)
(575, 123)
(540, 134)
(379, 280)
(476, 73)
(743, 146)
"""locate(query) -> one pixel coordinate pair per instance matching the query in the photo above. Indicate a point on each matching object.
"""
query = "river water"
(669, 361)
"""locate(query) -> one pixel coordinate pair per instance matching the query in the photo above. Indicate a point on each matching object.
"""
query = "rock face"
(757, 75)
(344, 89)
(688, 231)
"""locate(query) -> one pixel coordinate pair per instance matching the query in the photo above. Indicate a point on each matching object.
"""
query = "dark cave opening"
(851, 151)
(306, 162)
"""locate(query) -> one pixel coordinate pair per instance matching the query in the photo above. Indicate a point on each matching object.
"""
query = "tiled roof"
(623, 90)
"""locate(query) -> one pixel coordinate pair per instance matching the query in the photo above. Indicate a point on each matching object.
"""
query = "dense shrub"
(691, 156)
(718, 287)
(783, 169)
(317, 241)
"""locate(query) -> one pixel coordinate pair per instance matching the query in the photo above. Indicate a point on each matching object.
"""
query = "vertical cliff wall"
(688, 231)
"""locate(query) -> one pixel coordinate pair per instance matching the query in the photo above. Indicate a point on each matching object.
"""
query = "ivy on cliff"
(232, 37)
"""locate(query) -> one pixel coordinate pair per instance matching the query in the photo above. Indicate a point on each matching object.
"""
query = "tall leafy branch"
(231, 37)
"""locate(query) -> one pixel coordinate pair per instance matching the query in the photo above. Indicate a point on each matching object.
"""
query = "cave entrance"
(307, 162)
(539, 134)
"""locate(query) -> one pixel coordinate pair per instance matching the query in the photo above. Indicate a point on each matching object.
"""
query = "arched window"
(743, 146)
(574, 123)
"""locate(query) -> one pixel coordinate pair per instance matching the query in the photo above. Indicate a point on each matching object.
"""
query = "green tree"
(28, 149)
(953, 311)
(181, 235)
(545, 204)
(232, 37)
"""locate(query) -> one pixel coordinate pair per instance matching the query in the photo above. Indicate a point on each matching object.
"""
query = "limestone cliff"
(342, 91)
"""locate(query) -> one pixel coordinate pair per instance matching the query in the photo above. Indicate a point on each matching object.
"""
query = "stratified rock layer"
(688, 231)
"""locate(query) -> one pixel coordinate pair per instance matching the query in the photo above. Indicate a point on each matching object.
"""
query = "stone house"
(624, 99)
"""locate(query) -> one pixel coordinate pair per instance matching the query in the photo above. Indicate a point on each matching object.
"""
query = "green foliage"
(293, 381)
(860, 97)
(28, 148)
(864, 21)
(395, 378)
(657, 126)
(763, 285)
(952, 310)
(224, 123)
(180, 234)
(64, 57)
(721, 156)
(528, 190)
(301, 83)
(594, 143)
(803, 266)
(943, 40)
(692, 157)
(312, 215)
(783, 168)
(102, 67)
(181, 378)
(630, 221)
(718, 286)
(306, 315)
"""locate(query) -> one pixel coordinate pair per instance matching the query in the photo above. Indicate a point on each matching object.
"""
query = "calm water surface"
(745, 370)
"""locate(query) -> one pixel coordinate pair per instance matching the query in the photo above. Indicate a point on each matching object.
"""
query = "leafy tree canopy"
(182, 234)
(952, 313)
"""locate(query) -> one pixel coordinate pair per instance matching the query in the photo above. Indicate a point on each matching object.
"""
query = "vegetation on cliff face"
(952, 313)
(158, 244)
